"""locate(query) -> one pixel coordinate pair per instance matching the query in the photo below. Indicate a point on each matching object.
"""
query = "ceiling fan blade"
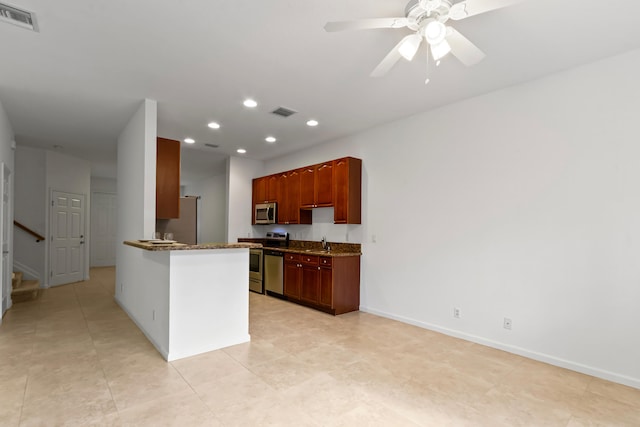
(390, 60)
(469, 8)
(366, 24)
(463, 49)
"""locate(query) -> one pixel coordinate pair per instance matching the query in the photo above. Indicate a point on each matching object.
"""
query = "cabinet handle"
(318, 268)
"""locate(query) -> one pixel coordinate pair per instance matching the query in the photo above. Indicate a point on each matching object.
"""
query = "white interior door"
(67, 238)
(5, 230)
(103, 229)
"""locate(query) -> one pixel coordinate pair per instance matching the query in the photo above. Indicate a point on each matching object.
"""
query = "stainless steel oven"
(256, 266)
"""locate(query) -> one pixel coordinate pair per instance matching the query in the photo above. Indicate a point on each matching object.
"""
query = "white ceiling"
(77, 81)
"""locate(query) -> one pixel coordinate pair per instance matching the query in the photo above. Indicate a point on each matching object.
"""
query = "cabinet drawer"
(292, 257)
(309, 259)
(325, 261)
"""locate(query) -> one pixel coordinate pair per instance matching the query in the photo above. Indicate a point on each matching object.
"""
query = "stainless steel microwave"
(266, 213)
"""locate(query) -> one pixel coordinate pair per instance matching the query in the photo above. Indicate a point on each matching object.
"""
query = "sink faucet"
(324, 243)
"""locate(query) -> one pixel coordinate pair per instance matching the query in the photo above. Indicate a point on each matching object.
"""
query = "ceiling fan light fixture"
(439, 51)
(435, 32)
(410, 46)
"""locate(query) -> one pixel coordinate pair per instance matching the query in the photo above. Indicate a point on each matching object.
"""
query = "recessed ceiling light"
(270, 139)
(250, 103)
(241, 150)
(214, 125)
(189, 140)
(312, 123)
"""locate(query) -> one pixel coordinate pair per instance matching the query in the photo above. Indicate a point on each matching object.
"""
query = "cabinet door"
(324, 184)
(310, 289)
(326, 286)
(271, 185)
(283, 198)
(167, 178)
(347, 191)
(307, 187)
(316, 186)
(296, 216)
(259, 190)
(293, 204)
(292, 280)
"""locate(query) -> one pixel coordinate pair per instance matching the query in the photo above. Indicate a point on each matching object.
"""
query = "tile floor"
(74, 358)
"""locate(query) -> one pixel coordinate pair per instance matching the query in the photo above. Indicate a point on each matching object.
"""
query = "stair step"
(28, 290)
(16, 279)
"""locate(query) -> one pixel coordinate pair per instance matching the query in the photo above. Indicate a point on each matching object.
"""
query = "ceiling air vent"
(18, 17)
(211, 145)
(284, 112)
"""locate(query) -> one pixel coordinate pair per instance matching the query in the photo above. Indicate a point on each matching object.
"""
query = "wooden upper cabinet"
(347, 193)
(334, 183)
(292, 200)
(283, 208)
(307, 187)
(259, 190)
(272, 185)
(167, 178)
(265, 189)
(316, 184)
(324, 184)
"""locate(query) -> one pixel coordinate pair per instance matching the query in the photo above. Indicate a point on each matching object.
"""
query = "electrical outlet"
(507, 323)
(456, 312)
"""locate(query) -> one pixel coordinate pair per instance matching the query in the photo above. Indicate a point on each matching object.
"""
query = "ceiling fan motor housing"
(418, 11)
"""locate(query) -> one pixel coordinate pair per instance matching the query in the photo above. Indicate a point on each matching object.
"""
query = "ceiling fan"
(427, 19)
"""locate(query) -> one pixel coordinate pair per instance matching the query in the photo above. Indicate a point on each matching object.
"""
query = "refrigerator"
(185, 228)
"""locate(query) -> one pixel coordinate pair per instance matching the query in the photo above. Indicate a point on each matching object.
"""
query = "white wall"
(521, 203)
(7, 157)
(30, 209)
(213, 207)
(70, 175)
(38, 173)
(240, 173)
(136, 291)
(103, 185)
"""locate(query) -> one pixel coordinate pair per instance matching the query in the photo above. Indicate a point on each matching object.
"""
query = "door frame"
(50, 248)
(6, 226)
(90, 209)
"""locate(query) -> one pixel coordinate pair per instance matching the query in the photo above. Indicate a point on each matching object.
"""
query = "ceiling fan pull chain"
(427, 73)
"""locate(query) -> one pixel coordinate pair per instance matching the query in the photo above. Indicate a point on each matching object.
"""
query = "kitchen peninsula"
(189, 299)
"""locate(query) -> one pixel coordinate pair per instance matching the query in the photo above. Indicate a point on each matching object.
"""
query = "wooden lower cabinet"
(292, 276)
(330, 284)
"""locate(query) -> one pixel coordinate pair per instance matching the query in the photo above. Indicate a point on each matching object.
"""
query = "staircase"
(23, 290)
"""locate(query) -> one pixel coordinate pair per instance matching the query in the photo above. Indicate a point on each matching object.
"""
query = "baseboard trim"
(541, 357)
(28, 272)
(165, 354)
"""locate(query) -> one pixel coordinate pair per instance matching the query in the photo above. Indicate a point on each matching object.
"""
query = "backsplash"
(315, 245)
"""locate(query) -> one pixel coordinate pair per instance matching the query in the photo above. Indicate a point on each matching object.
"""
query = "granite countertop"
(318, 252)
(308, 247)
(184, 247)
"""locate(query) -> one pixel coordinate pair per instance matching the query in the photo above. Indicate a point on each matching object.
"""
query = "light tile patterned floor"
(74, 358)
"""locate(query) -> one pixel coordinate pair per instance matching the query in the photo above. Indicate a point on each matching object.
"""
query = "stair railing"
(28, 230)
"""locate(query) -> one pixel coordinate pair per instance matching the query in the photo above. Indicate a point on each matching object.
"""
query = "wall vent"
(284, 112)
(211, 145)
(18, 17)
